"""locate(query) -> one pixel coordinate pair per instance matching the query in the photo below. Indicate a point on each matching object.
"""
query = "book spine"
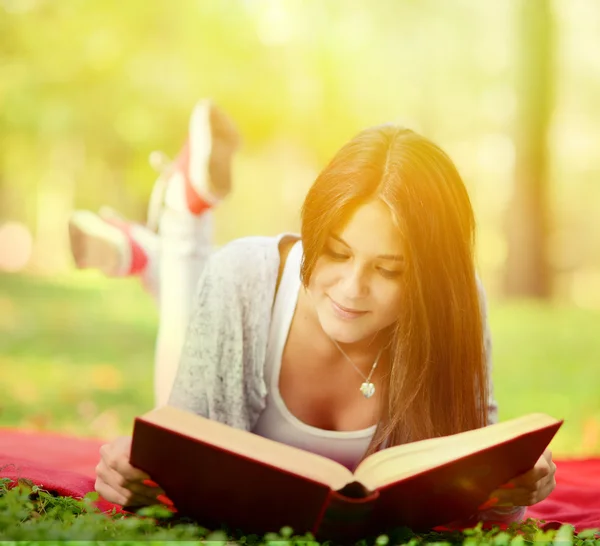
(345, 518)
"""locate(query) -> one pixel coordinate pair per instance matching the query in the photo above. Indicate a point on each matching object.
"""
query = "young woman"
(366, 330)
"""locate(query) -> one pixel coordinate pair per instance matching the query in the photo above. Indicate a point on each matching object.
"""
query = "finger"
(125, 487)
(108, 493)
(112, 494)
(123, 497)
(546, 487)
(137, 501)
(119, 460)
(146, 491)
(514, 497)
(526, 495)
(530, 478)
(133, 501)
(130, 473)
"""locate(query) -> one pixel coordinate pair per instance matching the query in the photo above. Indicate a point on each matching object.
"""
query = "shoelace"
(161, 163)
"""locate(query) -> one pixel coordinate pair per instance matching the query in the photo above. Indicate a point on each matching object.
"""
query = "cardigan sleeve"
(219, 375)
(213, 310)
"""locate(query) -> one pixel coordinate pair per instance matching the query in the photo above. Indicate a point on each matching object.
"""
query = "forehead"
(372, 230)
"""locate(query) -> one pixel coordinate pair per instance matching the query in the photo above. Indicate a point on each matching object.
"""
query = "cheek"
(324, 276)
(387, 299)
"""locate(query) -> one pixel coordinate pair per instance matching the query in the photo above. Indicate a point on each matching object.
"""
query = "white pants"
(184, 244)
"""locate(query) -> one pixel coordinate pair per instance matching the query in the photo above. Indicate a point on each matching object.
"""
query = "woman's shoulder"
(252, 259)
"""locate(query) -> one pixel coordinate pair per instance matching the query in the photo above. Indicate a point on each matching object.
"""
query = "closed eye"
(335, 255)
(388, 273)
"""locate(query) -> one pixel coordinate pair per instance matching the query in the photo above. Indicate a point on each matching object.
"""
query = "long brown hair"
(437, 383)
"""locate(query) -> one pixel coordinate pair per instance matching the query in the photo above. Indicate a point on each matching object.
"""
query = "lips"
(346, 312)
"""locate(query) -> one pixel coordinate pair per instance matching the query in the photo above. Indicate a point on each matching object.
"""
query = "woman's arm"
(220, 372)
(212, 333)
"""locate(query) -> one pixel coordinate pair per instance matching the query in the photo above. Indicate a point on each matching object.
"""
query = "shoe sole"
(225, 142)
(95, 244)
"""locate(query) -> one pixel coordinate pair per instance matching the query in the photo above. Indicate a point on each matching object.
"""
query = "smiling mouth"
(346, 312)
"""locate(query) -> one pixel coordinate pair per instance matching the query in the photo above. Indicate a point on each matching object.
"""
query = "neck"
(365, 349)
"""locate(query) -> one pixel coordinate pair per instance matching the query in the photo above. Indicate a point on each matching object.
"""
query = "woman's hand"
(119, 482)
(527, 489)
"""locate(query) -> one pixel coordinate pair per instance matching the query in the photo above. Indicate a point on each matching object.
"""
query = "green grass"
(546, 358)
(30, 514)
(77, 352)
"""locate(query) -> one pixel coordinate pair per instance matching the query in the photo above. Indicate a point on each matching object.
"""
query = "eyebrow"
(394, 257)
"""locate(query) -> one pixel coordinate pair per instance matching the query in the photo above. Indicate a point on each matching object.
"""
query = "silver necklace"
(367, 388)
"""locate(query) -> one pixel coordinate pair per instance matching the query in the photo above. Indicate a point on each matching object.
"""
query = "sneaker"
(105, 243)
(200, 176)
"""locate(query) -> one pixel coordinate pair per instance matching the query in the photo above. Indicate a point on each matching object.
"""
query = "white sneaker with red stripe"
(200, 176)
(109, 243)
(192, 184)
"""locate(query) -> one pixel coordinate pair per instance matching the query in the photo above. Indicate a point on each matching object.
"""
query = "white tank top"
(276, 421)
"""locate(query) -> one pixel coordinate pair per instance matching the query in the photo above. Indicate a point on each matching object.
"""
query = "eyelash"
(389, 274)
(385, 272)
(335, 255)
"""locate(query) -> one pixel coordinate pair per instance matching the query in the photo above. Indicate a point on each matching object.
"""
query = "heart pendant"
(368, 389)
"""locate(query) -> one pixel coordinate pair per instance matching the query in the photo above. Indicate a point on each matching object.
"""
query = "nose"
(355, 283)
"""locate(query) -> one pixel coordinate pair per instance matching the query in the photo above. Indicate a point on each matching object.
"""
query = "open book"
(217, 475)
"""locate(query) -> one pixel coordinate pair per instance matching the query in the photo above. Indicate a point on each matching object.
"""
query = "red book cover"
(219, 475)
(454, 490)
(215, 486)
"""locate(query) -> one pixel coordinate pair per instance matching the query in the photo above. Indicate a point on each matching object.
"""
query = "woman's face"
(357, 282)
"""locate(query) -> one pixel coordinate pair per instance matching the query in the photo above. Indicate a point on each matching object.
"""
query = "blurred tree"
(528, 272)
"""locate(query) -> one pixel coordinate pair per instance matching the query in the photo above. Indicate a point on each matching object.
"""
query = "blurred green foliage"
(89, 89)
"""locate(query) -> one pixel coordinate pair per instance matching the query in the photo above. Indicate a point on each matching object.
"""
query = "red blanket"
(66, 465)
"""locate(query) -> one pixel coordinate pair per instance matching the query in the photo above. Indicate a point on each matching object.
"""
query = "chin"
(342, 332)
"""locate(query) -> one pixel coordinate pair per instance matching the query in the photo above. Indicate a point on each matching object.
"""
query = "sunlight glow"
(16, 244)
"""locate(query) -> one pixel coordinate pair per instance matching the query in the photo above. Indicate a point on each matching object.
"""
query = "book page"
(399, 462)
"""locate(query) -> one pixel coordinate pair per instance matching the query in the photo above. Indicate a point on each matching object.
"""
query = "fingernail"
(507, 486)
(150, 483)
(489, 503)
(165, 500)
